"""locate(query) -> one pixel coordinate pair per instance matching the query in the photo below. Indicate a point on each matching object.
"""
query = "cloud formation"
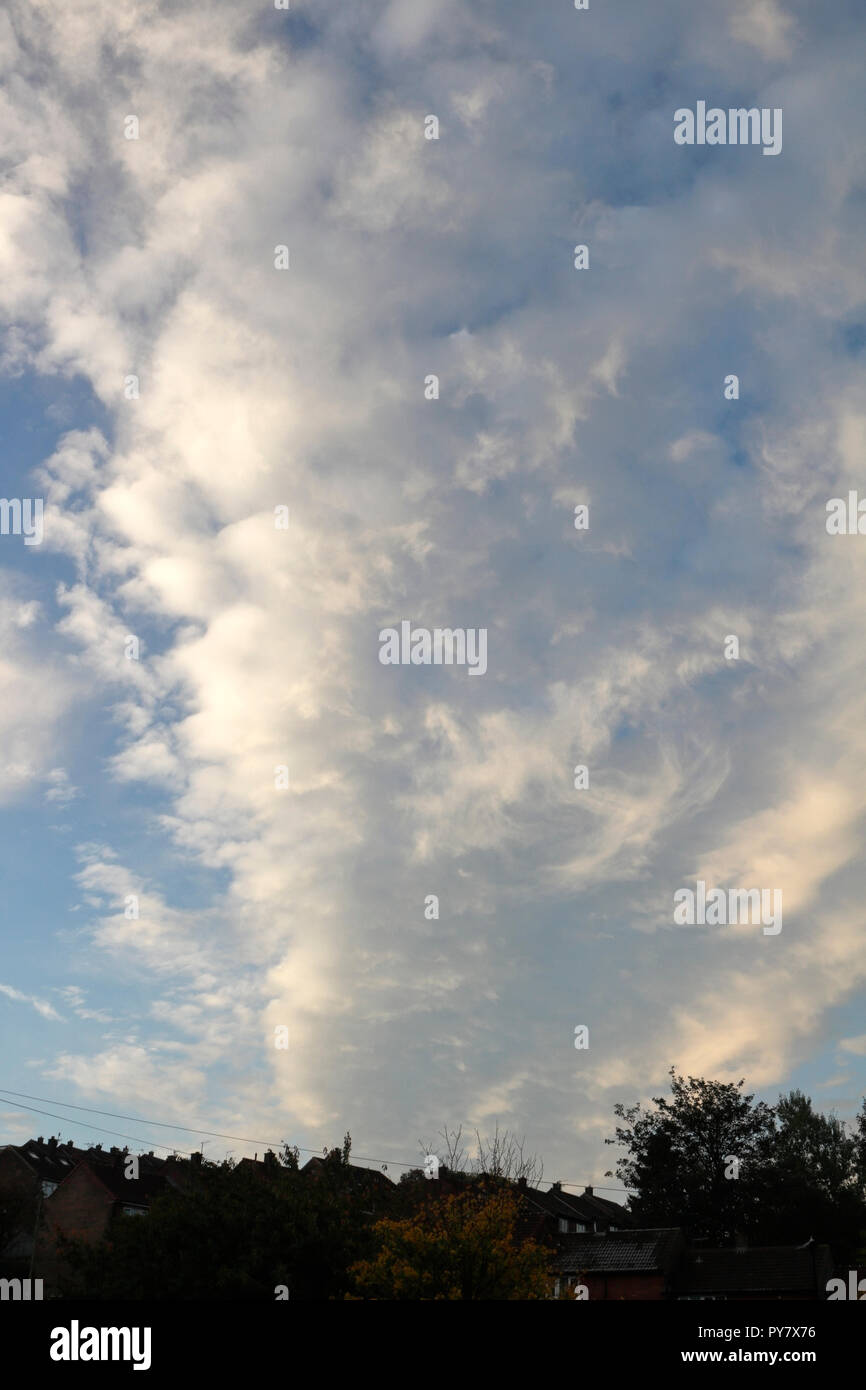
(258, 388)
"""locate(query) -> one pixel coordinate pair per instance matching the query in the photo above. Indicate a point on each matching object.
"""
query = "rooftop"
(612, 1252)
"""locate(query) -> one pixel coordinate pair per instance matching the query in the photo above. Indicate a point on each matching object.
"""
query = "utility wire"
(213, 1133)
(100, 1129)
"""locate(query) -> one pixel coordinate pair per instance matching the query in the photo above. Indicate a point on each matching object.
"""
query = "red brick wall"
(625, 1286)
(81, 1209)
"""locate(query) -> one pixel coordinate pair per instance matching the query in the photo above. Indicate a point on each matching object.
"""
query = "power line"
(214, 1133)
(137, 1119)
(100, 1129)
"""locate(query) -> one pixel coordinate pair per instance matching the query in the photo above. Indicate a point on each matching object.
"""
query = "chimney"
(52, 1142)
(39, 1140)
(556, 1187)
(195, 1158)
(521, 1182)
(587, 1192)
(270, 1158)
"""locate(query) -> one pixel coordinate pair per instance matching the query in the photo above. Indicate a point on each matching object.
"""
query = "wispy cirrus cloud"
(41, 1006)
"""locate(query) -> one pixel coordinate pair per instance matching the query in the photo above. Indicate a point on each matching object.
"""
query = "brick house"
(29, 1174)
(91, 1197)
(634, 1264)
(39, 1164)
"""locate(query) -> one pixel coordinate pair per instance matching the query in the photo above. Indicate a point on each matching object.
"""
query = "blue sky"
(304, 908)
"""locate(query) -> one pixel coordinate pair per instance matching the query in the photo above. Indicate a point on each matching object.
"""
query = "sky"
(166, 389)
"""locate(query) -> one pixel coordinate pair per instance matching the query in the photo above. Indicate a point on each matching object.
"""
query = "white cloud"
(258, 647)
(40, 1005)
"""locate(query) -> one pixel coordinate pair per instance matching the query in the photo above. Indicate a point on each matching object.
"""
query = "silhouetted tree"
(678, 1154)
(798, 1174)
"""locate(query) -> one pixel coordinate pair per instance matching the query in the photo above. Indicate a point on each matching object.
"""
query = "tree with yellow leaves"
(464, 1245)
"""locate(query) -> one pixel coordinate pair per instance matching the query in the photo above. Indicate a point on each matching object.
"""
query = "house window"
(135, 1211)
(48, 1187)
(563, 1224)
(580, 1226)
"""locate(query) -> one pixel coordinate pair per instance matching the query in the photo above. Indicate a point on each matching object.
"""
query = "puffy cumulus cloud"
(261, 388)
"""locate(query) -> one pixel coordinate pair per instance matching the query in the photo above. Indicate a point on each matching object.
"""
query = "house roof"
(47, 1159)
(583, 1207)
(762, 1269)
(552, 1202)
(109, 1165)
(134, 1192)
(370, 1177)
(612, 1252)
(611, 1211)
